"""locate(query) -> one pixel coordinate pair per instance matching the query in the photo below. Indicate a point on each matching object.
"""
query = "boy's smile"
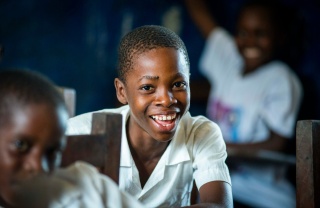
(157, 90)
(165, 120)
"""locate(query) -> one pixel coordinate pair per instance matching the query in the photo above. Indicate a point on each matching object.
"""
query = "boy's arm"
(215, 194)
(200, 14)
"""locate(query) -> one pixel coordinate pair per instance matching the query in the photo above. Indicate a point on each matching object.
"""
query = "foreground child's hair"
(24, 87)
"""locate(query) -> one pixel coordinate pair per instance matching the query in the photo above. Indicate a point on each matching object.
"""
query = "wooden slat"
(308, 163)
(101, 148)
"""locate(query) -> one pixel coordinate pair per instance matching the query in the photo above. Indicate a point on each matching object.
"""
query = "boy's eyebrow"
(149, 77)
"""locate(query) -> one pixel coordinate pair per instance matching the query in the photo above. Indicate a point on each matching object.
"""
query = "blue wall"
(74, 42)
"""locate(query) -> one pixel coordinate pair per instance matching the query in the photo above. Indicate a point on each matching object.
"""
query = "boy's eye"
(147, 88)
(180, 85)
(21, 145)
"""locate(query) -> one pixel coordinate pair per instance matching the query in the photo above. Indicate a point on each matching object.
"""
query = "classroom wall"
(74, 42)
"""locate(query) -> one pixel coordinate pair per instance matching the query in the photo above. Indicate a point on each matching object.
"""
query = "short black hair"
(143, 39)
(20, 87)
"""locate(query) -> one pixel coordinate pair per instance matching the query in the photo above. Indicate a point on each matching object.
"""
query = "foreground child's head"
(154, 80)
(260, 30)
(33, 118)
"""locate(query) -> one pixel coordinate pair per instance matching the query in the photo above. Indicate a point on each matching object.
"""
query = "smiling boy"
(163, 147)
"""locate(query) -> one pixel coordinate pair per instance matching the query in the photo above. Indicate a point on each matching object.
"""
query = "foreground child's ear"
(120, 90)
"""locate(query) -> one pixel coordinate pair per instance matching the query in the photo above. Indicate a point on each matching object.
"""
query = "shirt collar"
(178, 151)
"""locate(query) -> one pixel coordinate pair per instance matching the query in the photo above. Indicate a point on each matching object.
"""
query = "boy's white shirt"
(197, 151)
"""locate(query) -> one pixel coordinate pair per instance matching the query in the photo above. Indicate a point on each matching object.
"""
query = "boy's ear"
(120, 90)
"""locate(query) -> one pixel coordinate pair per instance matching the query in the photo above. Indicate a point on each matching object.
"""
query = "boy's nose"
(166, 98)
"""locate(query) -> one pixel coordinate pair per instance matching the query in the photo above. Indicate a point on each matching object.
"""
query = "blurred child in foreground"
(33, 119)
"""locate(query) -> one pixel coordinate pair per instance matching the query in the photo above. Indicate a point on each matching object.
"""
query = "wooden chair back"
(101, 148)
(69, 95)
(308, 163)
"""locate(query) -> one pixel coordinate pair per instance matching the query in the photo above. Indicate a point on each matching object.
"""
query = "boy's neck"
(146, 151)
(143, 145)
(146, 158)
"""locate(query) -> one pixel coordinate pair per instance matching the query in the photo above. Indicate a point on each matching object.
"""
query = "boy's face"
(157, 91)
(255, 37)
(30, 142)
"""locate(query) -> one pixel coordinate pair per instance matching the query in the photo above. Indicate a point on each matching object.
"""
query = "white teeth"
(164, 117)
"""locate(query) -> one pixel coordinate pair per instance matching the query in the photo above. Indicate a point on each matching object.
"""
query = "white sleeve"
(219, 49)
(79, 185)
(282, 104)
(113, 196)
(97, 190)
(210, 155)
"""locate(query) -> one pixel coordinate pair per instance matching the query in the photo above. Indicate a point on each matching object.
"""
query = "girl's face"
(255, 37)
(157, 91)
(30, 142)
